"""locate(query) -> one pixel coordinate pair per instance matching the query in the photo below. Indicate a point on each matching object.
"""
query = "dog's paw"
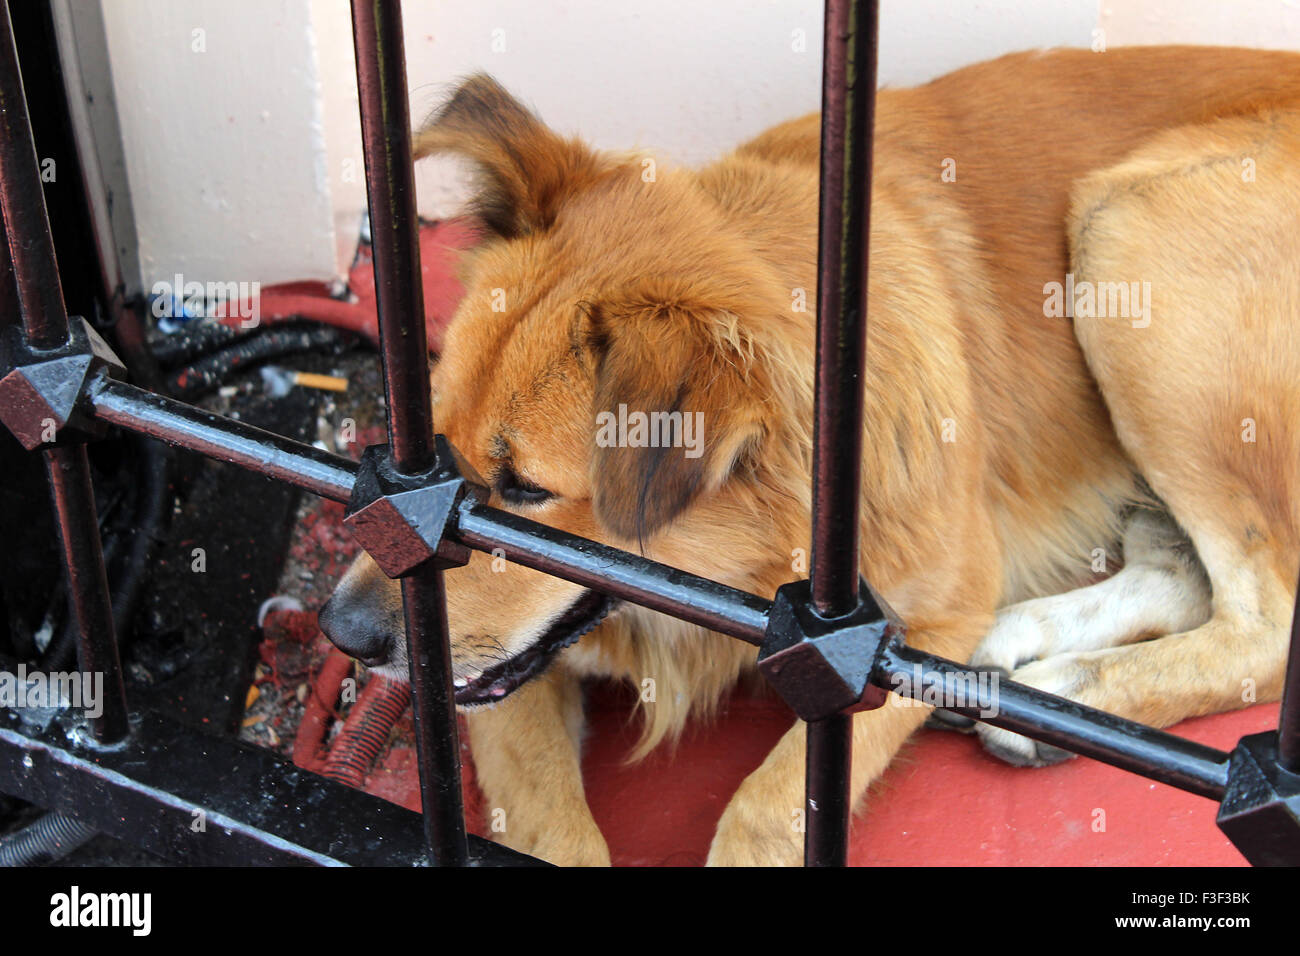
(1020, 751)
(757, 833)
(940, 719)
(948, 720)
(1065, 675)
(755, 846)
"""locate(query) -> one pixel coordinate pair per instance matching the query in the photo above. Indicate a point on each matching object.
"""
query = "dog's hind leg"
(1236, 658)
(1198, 371)
(1161, 589)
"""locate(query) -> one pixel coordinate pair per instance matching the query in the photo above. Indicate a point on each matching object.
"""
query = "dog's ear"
(678, 408)
(526, 169)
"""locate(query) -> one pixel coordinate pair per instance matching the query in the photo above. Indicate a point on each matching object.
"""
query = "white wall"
(221, 124)
(245, 161)
(1273, 24)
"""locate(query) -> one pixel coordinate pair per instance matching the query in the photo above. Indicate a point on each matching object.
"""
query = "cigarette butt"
(251, 698)
(328, 383)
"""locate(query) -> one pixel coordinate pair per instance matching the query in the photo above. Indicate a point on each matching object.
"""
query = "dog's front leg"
(526, 759)
(763, 823)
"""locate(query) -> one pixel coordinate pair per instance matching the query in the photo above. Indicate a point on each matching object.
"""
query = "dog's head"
(603, 375)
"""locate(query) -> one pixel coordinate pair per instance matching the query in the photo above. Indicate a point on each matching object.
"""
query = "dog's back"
(1006, 142)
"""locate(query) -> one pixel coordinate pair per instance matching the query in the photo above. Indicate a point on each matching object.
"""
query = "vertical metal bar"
(92, 608)
(1288, 727)
(30, 254)
(848, 110)
(827, 803)
(390, 185)
(31, 247)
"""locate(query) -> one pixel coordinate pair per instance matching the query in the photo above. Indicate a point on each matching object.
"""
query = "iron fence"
(138, 776)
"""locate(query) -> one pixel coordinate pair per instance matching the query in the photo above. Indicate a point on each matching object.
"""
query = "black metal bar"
(321, 473)
(390, 186)
(619, 573)
(848, 111)
(436, 739)
(92, 608)
(663, 588)
(22, 199)
(45, 324)
(1121, 743)
(1288, 727)
(827, 800)
(848, 108)
(206, 800)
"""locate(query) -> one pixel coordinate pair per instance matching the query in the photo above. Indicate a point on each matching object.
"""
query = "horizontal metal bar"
(1093, 733)
(619, 573)
(207, 800)
(324, 474)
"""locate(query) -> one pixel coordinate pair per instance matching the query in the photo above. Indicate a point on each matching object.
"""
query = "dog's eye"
(519, 491)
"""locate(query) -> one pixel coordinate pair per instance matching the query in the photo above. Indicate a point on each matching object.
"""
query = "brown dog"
(1149, 195)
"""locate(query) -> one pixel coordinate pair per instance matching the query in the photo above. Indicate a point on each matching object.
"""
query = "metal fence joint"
(1260, 812)
(822, 666)
(42, 391)
(405, 520)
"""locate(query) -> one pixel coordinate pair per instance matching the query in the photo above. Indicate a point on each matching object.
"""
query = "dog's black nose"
(352, 629)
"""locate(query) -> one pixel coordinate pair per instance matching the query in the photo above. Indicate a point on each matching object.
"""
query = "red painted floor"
(944, 802)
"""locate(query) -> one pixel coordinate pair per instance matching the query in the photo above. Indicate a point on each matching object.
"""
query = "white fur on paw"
(1017, 635)
(1057, 675)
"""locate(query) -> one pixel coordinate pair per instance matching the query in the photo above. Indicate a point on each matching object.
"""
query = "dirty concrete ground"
(196, 650)
(320, 551)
